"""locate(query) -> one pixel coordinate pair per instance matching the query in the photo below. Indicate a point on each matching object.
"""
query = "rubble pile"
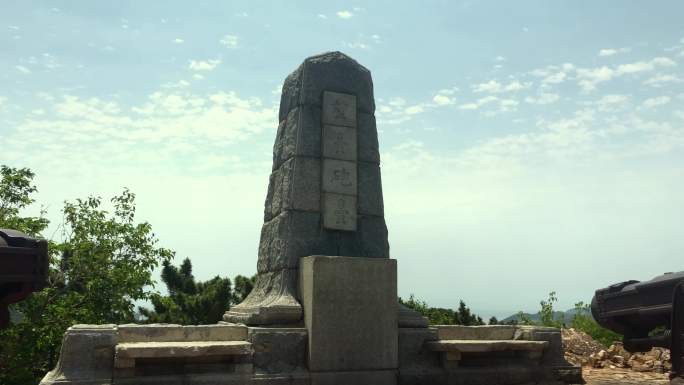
(581, 349)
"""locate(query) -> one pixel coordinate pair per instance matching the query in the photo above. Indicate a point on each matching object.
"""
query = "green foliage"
(441, 316)
(493, 321)
(547, 314)
(103, 265)
(191, 302)
(585, 322)
(16, 187)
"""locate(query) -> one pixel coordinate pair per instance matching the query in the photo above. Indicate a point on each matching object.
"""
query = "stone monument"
(324, 307)
(325, 192)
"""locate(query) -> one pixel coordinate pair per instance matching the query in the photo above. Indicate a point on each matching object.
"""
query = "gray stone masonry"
(350, 313)
(325, 192)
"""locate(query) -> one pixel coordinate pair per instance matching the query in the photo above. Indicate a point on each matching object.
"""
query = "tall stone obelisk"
(325, 192)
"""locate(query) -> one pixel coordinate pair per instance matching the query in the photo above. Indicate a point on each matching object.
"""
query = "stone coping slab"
(180, 333)
(471, 346)
(488, 332)
(182, 349)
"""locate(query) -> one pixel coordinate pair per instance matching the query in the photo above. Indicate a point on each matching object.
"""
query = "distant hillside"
(565, 316)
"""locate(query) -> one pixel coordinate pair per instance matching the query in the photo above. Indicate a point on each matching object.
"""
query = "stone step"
(483, 346)
(126, 353)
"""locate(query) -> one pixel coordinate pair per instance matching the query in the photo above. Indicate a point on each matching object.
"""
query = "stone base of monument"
(350, 336)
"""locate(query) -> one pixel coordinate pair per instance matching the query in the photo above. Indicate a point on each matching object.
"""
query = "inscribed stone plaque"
(339, 176)
(339, 212)
(339, 142)
(339, 109)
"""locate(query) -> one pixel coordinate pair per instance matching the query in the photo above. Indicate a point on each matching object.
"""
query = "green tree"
(493, 321)
(547, 314)
(103, 266)
(441, 316)
(191, 302)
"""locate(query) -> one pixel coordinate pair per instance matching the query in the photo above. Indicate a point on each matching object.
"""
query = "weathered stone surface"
(182, 349)
(289, 236)
(339, 109)
(331, 71)
(339, 142)
(370, 190)
(339, 176)
(373, 377)
(339, 212)
(367, 133)
(484, 346)
(294, 224)
(485, 332)
(413, 353)
(409, 318)
(350, 312)
(86, 356)
(298, 135)
(369, 240)
(271, 301)
(295, 185)
(278, 350)
(178, 333)
(554, 352)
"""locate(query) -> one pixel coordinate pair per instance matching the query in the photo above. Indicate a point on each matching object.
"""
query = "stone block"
(554, 354)
(86, 356)
(330, 71)
(339, 212)
(374, 377)
(278, 350)
(350, 312)
(412, 351)
(295, 185)
(485, 332)
(298, 135)
(178, 333)
(339, 109)
(290, 236)
(369, 240)
(271, 301)
(370, 189)
(339, 176)
(339, 143)
(133, 350)
(367, 133)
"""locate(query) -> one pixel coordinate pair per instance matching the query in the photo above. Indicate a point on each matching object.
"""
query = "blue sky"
(526, 146)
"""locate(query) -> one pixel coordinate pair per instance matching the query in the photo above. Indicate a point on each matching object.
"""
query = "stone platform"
(237, 354)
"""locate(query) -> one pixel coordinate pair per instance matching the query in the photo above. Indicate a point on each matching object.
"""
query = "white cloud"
(590, 77)
(443, 100)
(22, 69)
(230, 41)
(357, 44)
(415, 109)
(495, 87)
(2, 100)
(556, 78)
(660, 80)
(178, 40)
(204, 65)
(614, 51)
(543, 98)
(344, 14)
(611, 102)
(655, 102)
(322, 16)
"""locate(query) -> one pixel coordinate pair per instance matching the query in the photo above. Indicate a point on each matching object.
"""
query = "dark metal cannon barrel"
(23, 268)
(647, 314)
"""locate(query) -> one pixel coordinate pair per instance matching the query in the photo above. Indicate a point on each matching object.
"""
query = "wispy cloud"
(204, 65)
(495, 87)
(655, 102)
(344, 14)
(230, 41)
(613, 51)
(590, 77)
(543, 98)
(22, 69)
(178, 40)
